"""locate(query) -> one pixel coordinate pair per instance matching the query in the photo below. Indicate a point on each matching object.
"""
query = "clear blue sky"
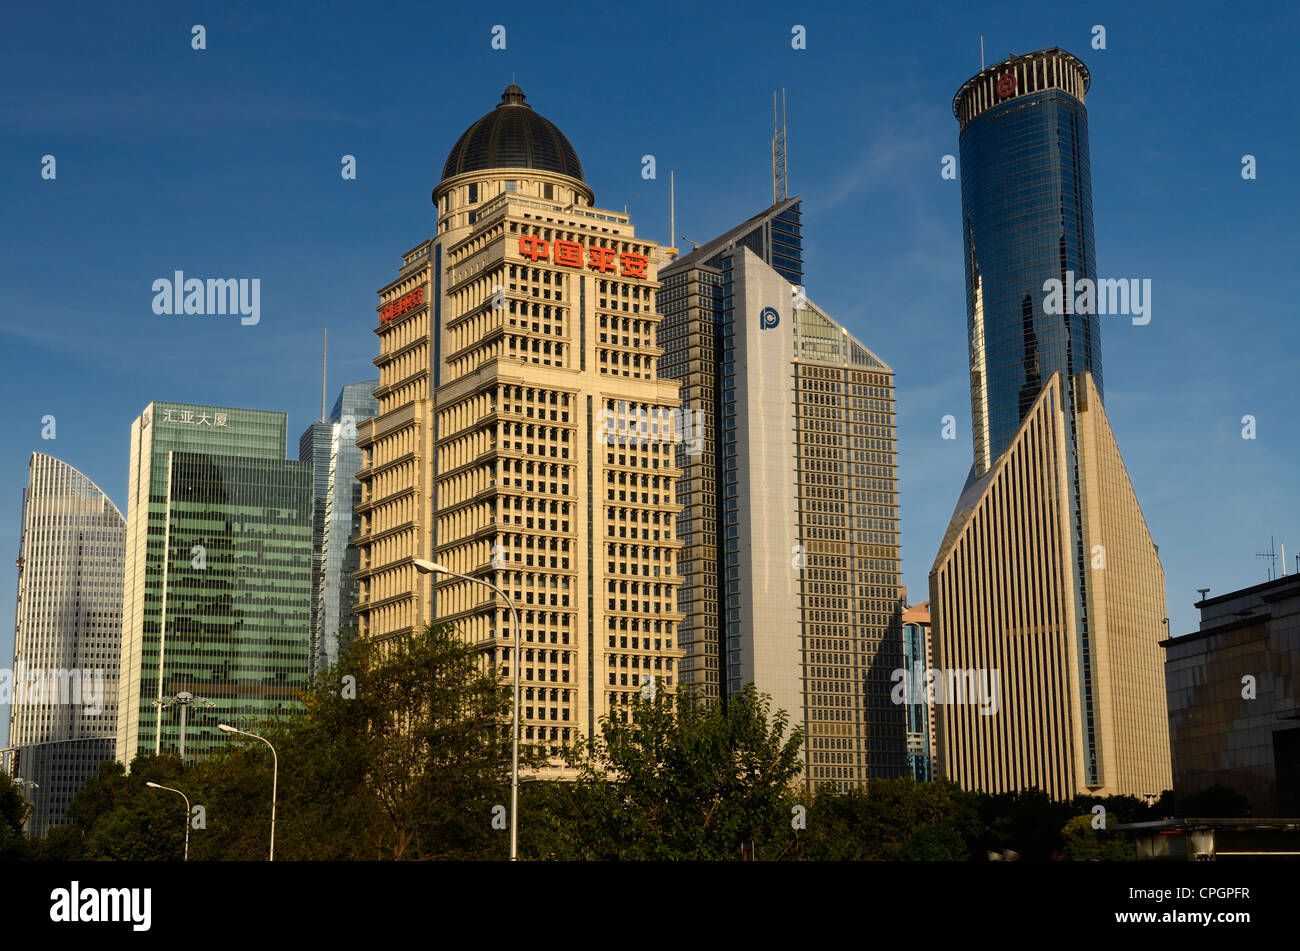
(225, 163)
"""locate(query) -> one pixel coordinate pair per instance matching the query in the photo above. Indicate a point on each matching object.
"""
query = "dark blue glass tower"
(1026, 191)
(1026, 218)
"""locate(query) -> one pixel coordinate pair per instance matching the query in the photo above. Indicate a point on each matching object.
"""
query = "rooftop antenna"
(324, 349)
(1284, 559)
(1202, 592)
(981, 52)
(672, 210)
(780, 173)
(1271, 555)
(693, 244)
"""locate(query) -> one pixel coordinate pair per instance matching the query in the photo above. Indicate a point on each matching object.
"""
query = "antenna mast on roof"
(981, 52)
(1271, 555)
(780, 173)
(672, 209)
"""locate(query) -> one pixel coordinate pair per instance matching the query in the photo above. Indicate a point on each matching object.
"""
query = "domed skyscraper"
(510, 149)
(508, 343)
(513, 136)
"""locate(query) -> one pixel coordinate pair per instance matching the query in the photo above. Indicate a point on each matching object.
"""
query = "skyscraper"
(67, 639)
(692, 301)
(1047, 582)
(789, 507)
(218, 575)
(314, 449)
(339, 557)
(917, 659)
(507, 342)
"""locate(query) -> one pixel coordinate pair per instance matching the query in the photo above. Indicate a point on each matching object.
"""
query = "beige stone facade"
(520, 439)
(1002, 601)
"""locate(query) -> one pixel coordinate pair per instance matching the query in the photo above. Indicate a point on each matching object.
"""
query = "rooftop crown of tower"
(513, 136)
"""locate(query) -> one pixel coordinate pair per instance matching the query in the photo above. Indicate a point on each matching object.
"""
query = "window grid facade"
(69, 623)
(489, 455)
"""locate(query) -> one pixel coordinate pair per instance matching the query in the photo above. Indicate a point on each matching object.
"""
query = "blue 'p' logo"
(768, 318)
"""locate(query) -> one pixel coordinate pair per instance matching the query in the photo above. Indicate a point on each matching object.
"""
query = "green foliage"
(13, 812)
(406, 763)
(132, 822)
(402, 751)
(1083, 843)
(933, 844)
(61, 844)
(681, 779)
(885, 820)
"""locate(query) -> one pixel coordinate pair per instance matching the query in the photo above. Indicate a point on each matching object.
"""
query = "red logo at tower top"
(570, 254)
(1006, 84)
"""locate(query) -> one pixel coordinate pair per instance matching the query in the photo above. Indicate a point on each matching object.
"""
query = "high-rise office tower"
(790, 502)
(340, 558)
(314, 449)
(508, 342)
(330, 446)
(1047, 584)
(692, 301)
(218, 576)
(917, 660)
(68, 636)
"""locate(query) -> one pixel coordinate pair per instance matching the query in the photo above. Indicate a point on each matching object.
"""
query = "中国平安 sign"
(571, 254)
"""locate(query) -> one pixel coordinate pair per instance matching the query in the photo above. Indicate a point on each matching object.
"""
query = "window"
(548, 190)
(510, 186)
(473, 192)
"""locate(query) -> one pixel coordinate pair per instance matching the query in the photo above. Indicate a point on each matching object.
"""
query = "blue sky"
(225, 163)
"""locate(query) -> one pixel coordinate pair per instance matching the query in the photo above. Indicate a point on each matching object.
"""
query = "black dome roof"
(513, 136)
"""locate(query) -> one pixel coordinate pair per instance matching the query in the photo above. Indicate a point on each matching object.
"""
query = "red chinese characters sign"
(408, 301)
(571, 254)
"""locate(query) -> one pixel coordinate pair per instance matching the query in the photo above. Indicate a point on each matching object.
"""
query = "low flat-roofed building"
(1233, 719)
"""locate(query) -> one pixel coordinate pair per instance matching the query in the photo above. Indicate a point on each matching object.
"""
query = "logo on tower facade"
(768, 318)
(1007, 84)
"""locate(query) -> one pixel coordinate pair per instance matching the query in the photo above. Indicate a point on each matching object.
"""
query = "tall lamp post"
(275, 775)
(182, 700)
(431, 568)
(22, 783)
(187, 814)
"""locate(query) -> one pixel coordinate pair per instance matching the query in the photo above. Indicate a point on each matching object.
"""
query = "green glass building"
(217, 586)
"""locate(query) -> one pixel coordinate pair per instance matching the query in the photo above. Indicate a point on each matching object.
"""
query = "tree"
(122, 819)
(396, 753)
(13, 813)
(889, 820)
(678, 779)
(933, 843)
(1083, 843)
(1027, 821)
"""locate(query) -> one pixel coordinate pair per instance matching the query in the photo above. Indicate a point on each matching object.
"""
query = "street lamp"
(187, 813)
(432, 567)
(183, 700)
(31, 803)
(275, 775)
